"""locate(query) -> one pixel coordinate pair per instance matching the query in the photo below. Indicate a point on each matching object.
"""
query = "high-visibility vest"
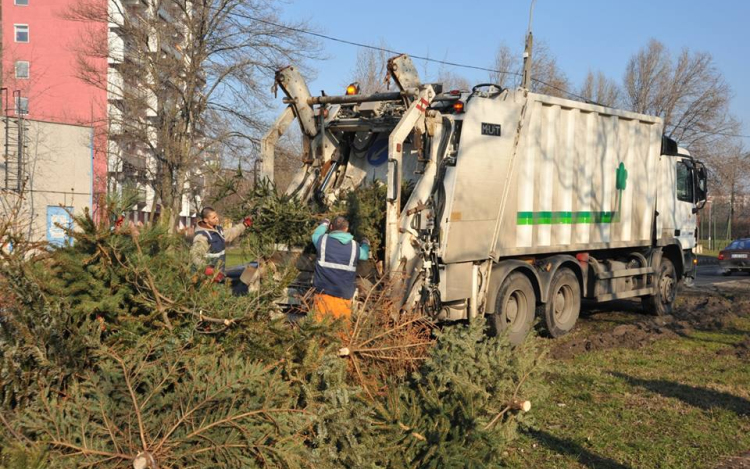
(216, 254)
(336, 267)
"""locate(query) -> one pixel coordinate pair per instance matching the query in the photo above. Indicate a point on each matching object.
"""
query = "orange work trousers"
(335, 307)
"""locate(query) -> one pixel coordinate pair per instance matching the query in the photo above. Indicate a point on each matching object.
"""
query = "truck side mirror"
(701, 184)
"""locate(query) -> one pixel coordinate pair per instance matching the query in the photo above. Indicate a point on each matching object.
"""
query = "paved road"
(709, 275)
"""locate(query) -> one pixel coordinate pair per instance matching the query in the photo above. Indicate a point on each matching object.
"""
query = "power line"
(708, 132)
(454, 64)
(419, 57)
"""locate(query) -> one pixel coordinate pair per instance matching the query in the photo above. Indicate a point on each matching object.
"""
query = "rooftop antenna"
(526, 79)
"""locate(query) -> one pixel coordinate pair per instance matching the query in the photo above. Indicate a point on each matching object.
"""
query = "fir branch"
(152, 284)
(18, 436)
(89, 452)
(136, 406)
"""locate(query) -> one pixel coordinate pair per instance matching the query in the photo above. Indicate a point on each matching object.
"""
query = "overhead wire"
(455, 64)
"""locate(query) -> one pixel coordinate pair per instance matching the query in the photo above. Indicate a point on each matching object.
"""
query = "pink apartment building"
(42, 50)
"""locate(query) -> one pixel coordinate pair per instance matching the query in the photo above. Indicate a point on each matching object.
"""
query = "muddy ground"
(624, 324)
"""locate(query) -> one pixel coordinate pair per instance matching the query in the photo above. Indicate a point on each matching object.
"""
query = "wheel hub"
(562, 303)
(666, 287)
(511, 309)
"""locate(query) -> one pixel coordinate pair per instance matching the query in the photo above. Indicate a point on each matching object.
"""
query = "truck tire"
(662, 303)
(564, 303)
(511, 307)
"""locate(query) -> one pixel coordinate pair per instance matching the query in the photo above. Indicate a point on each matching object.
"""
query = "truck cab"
(682, 191)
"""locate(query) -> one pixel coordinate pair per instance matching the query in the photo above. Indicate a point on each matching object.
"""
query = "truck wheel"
(662, 303)
(512, 307)
(564, 304)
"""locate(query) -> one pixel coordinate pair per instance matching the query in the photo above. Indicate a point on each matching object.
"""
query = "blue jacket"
(336, 267)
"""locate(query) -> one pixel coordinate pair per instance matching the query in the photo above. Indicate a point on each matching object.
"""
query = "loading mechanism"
(335, 127)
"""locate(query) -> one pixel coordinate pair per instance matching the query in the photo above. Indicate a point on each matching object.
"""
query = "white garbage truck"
(522, 204)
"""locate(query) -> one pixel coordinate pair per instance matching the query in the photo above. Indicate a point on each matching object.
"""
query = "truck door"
(684, 193)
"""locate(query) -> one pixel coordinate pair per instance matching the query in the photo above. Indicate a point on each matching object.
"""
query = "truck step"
(625, 294)
(625, 273)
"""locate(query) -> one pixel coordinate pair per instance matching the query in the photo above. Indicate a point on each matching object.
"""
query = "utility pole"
(526, 78)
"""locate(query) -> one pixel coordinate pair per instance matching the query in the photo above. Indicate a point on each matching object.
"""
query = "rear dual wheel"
(511, 307)
(564, 303)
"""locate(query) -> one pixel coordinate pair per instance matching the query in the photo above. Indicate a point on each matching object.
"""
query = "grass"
(718, 245)
(237, 256)
(675, 404)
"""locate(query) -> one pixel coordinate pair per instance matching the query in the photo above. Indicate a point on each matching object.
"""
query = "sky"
(597, 35)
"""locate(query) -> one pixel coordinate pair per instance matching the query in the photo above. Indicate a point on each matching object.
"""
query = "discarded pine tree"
(116, 353)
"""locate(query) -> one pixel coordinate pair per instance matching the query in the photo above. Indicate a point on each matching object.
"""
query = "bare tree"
(687, 91)
(451, 80)
(507, 67)
(730, 167)
(600, 89)
(190, 79)
(370, 69)
(546, 75)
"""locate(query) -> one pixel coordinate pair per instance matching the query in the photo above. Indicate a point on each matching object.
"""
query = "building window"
(22, 106)
(22, 32)
(22, 3)
(22, 69)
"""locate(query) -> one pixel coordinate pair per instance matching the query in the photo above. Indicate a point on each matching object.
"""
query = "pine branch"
(513, 404)
(90, 452)
(136, 406)
(152, 284)
(18, 436)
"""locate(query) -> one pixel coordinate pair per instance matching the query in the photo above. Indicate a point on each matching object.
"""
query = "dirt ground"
(738, 462)
(623, 323)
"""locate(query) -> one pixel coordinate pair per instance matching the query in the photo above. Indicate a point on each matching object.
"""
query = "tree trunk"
(179, 189)
(731, 213)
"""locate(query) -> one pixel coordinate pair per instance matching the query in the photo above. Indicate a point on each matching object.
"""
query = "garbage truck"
(522, 205)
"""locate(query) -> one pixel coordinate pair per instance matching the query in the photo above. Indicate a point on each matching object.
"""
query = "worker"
(336, 268)
(209, 243)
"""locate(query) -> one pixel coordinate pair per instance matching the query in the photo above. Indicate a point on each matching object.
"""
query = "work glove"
(325, 221)
(248, 222)
(365, 241)
(211, 272)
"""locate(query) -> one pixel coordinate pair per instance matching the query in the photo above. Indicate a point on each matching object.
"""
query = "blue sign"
(58, 219)
(377, 154)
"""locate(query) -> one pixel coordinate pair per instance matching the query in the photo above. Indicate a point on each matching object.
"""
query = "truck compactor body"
(523, 204)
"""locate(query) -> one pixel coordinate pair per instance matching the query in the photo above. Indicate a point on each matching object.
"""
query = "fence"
(714, 225)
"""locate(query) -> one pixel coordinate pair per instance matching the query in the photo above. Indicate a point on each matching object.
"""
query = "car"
(735, 257)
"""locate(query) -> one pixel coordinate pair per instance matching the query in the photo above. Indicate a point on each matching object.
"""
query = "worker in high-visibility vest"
(208, 251)
(336, 268)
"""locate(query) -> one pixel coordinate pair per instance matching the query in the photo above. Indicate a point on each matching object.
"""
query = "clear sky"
(583, 34)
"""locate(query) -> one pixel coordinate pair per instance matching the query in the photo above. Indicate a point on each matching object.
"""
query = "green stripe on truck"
(565, 218)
